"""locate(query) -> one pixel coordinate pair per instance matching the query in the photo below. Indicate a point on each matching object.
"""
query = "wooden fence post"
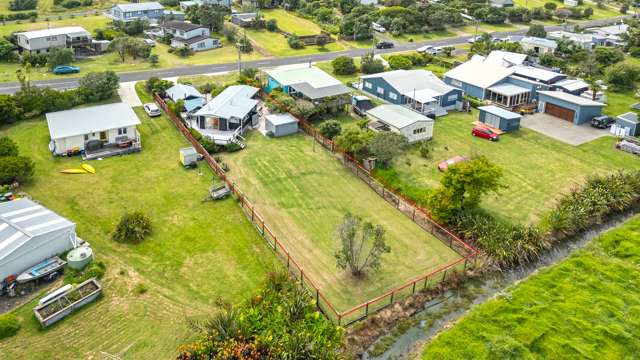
(413, 291)
(444, 276)
(288, 260)
(391, 302)
(366, 310)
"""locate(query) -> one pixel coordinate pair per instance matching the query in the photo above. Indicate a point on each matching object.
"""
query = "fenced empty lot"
(303, 193)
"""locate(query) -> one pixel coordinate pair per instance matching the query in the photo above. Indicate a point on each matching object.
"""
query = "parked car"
(384, 45)
(424, 49)
(66, 69)
(152, 109)
(484, 133)
(602, 122)
(444, 165)
(150, 42)
(474, 39)
(377, 27)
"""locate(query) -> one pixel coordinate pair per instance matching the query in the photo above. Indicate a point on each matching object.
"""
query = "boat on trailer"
(47, 268)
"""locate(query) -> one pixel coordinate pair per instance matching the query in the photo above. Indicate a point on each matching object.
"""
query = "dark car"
(384, 45)
(66, 69)
(485, 133)
(602, 122)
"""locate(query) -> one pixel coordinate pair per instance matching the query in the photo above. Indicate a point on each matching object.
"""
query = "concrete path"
(562, 130)
(128, 95)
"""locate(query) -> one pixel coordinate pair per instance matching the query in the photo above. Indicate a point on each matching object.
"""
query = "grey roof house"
(244, 19)
(133, 11)
(96, 131)
(196, 37)
(225, 117)
(305, 82)
(402, 120)
(31, 233)
(538, 45)
(41, 41)
(193, 99)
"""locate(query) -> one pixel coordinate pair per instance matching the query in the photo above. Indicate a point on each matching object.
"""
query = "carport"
(569, 107)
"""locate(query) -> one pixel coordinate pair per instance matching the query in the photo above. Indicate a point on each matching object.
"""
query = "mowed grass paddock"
(303, 192)
(198, 253)
(537, 169)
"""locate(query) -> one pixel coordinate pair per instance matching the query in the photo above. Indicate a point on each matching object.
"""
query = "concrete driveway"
(128, 95)
(562, 130)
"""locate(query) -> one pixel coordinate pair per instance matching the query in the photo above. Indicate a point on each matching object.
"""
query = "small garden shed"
(630, 123)
(281, 124)
(499, 118)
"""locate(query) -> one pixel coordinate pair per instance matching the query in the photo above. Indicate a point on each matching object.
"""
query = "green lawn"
(587, 307)
(198, 253)
(303, 193)
(435, 35)
(90, 23)
(275, 44)
(291, 23)
(619, 102)
(598, 13)
(536, 168)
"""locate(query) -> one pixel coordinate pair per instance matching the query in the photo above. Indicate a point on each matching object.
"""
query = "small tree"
(59, 56)
(537, 31)
(321, 41)
(354, 141)
(9, 109)
(462, 187)
(362, 245)
(294, 42)
(551, 6)
(622, 76)
(133, 227)
(230, 33)
(97, 86)
(15, 169)
(587, 13)
(154, 59)
(330, 129)
(397, 62)
(608, 56)
(343, 65)
(387, 145)
(272, 25)
(9, 325)
(157, 85)
(8, 147)
(371, 65)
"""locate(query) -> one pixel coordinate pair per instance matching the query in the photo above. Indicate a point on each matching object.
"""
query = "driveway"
(562, 130)
(128, 95)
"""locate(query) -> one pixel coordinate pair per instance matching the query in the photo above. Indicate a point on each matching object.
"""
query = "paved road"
(68, 83)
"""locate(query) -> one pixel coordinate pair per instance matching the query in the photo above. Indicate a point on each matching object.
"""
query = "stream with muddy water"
(405, 340)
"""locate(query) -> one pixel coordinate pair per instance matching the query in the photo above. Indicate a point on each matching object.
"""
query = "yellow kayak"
(89, 168)
(73, 171)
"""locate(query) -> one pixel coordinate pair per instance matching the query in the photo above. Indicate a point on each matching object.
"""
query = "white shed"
(281, 124)
(31, 233)
(413, 125)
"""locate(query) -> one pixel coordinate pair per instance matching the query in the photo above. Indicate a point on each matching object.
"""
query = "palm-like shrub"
(133, 227)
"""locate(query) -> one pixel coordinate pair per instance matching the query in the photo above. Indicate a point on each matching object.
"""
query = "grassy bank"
(586, 307)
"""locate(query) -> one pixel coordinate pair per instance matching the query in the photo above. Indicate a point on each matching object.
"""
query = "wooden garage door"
(559, 111)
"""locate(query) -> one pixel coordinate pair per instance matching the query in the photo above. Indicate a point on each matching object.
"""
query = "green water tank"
(79, 257)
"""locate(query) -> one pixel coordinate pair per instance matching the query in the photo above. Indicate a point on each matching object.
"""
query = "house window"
(456, 83)
(419, 131)
(86, 137)
(368, 85)
(380, 90)
(452, 97)
(201, 45)
(122, 131)
(393, 96)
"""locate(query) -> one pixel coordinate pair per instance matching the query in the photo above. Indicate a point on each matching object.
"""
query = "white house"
(197, 37)
(31, 233)
(585, 41)
(402, 120)
(41, 41)
(93, 130)
(133, 11)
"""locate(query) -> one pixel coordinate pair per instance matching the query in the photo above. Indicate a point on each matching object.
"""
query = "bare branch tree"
(363, 245)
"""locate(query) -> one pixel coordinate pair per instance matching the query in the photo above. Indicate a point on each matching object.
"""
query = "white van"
(377, 27)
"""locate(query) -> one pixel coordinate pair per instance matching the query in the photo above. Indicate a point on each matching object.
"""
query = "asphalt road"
(69, 83)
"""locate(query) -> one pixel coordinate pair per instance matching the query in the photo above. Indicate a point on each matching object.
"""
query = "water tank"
(79, 257)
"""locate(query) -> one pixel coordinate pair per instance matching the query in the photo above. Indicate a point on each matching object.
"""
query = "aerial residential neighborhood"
(335, 179)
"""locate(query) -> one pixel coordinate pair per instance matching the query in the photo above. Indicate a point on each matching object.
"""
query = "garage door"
(559, 111)
(492, 120)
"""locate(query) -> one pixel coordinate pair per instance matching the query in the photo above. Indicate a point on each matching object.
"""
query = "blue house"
(419, 89)
(133, 11)
(569, 107)
(499, 118)
(476, 76)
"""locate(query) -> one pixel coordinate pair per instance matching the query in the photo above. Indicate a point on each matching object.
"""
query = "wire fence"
(419, 215)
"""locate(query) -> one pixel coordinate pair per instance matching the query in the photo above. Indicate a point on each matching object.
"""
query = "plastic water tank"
(79, 257)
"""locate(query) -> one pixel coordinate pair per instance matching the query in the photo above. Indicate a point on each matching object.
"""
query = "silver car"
(152, 109)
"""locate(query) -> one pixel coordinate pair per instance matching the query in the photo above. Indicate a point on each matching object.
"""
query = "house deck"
(111, 151)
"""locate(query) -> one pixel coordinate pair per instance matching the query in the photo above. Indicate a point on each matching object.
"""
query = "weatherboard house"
(137, 11)
(417, 89)
(307, 82)
(42, 41)
(402, 120)
(94, 129)
(569, 107)
(31, 233)
(226, 117)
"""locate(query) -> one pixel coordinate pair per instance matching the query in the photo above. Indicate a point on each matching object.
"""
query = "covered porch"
(508, 95)
(126, 146)
(424, 101)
